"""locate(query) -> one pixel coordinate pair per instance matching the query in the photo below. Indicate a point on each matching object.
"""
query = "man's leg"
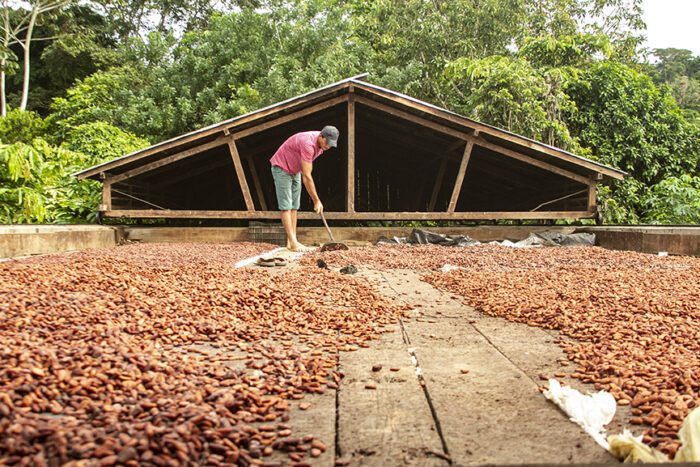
(296, 201)
(283, 189)
(288, 223)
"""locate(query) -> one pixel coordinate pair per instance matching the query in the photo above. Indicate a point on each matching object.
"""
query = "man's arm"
(306, 168)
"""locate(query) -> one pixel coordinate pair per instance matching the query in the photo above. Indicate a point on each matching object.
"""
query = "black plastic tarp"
(425, 237)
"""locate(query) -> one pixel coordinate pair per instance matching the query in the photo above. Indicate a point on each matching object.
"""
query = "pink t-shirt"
(299, 147)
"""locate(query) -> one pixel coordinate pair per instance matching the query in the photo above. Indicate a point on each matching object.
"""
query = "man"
(292, 164)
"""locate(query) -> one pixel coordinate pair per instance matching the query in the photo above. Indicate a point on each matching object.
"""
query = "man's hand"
(318, 207)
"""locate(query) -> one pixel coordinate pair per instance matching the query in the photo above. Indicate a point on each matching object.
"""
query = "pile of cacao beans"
(169, 355)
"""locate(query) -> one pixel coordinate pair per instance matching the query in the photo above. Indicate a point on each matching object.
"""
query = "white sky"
(673, 23)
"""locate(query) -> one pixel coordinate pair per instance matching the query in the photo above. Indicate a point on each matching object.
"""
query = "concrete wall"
(481, 233)
(649, 239)
(185, 234)
(26, 240)
(317, 235)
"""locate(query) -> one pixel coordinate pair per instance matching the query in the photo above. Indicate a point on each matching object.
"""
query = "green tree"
(674, 63)
(675, 200)
(21, 126)
(17, 27)
(79, 49)
(35, 176)
(511, 94)
(630, 123)
(22, 194)
(136, 18)
(169, 87)
(412, 59)
(680, 70)
(619, 21)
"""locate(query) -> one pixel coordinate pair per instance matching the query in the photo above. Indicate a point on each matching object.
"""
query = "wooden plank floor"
(494, 414)
(429, 412)
(384, 417)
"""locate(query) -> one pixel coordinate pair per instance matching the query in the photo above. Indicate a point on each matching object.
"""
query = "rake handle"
(330, 234)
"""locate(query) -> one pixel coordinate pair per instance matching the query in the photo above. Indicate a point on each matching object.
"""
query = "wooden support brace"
(256, 181)
(460, 176)
(592, 196)
(459, 120)
(240, 174)
(205, 132)
(438, 185)
(350, 200)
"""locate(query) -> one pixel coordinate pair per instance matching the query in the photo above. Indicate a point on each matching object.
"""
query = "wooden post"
(592, 196)
(460, 176)
(256, 180)
(438, 185)
(241, 176)
(350, 200)
(106, 196)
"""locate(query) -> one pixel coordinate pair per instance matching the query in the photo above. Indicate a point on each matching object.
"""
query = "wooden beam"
(292, 116)
(460, 177)
(168, 160)
(414, 118)
(106, 196)
(350, 197)
(438, 184)
(154, 213)
(256, 181)
(532, 161)
(241, 175)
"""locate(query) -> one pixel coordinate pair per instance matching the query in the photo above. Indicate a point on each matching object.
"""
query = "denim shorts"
(288, 188)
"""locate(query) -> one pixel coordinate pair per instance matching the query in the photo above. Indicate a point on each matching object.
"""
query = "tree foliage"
(21, 126)
(630, 123)
(565, 72)
(680, 70)
(35, 181)
(674, 200)
(510, 93)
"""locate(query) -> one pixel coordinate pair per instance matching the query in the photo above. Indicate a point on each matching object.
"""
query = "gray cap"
(331, 134)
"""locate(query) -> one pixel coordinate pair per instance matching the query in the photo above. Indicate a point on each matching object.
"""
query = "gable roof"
(488, 133)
